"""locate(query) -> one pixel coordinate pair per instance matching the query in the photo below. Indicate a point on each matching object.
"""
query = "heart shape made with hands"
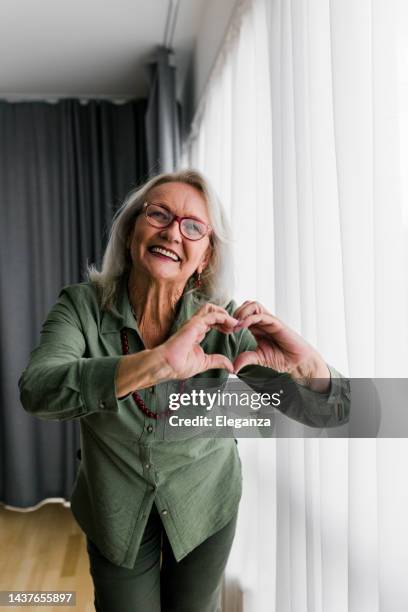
(278, 346)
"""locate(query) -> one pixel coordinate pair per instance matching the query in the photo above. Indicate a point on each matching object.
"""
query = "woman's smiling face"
(182, 200)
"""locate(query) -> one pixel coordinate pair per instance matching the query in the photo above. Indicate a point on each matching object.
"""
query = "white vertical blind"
(303, 130)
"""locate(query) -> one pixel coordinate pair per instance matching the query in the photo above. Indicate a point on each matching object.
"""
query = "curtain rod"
(171, 20)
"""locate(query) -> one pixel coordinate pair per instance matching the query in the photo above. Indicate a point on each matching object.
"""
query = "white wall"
(214, 22)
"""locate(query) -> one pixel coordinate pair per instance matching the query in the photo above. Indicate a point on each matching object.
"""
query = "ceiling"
(90, 48)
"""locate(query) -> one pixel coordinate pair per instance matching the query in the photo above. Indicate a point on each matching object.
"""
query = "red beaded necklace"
(138, 400)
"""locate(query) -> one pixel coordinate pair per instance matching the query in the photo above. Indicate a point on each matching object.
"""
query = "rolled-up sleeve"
(59, 382)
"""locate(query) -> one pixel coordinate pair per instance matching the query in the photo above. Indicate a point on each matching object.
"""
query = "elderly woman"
(160, 514)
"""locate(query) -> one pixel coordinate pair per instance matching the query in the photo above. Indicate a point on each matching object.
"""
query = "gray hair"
(217, 279)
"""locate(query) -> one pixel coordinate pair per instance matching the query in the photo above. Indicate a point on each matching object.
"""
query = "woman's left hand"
(280, 348)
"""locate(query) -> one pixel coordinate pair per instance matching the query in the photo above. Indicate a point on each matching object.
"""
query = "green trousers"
(157, 583)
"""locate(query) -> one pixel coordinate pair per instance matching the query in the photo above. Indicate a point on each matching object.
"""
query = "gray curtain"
(64, 169)
(163, 117)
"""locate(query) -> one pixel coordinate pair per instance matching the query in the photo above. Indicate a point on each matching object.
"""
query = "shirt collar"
(122, 316)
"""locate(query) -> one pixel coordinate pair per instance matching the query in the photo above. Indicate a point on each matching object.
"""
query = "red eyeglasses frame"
(175, 218)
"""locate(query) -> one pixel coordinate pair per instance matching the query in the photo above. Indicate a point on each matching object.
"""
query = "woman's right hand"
(182, 351)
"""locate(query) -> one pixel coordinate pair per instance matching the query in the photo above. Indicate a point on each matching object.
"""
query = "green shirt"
(130, 461)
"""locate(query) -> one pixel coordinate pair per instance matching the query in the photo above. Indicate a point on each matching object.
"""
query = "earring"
(197, 280)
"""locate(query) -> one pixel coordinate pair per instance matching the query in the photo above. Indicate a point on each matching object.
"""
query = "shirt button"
(147, 466)
(151, 389)
(150, 428)
(164, 512)
(102, 404)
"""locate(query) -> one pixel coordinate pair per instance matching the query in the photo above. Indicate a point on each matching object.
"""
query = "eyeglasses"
(159, 216)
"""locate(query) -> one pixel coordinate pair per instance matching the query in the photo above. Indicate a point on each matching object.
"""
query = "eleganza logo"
(220, 421)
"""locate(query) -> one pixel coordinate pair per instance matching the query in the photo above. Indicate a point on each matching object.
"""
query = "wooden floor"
(44, 550)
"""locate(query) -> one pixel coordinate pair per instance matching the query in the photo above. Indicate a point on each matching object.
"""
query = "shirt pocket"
(124, 427)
